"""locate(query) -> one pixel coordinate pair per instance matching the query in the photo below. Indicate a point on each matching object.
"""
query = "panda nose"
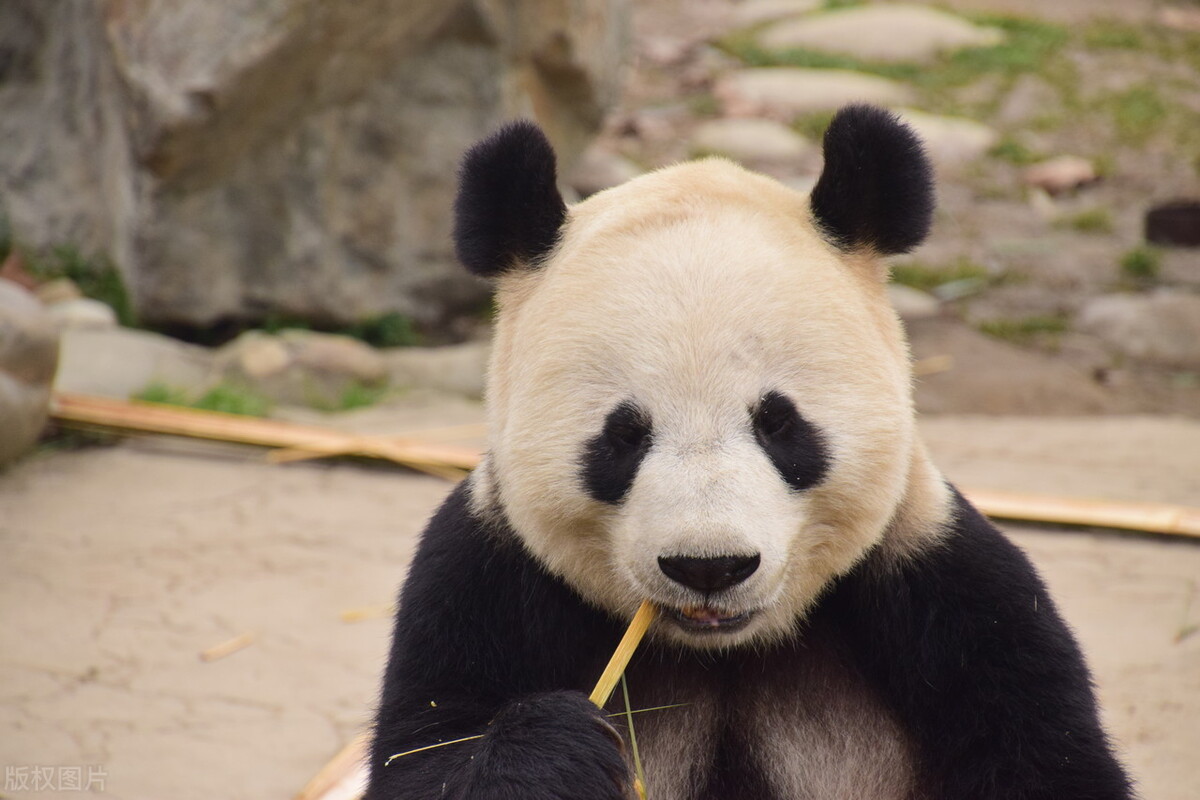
(709, 574)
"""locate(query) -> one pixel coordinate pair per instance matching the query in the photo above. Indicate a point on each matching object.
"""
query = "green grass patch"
(360, 395)
(387, 330)
(1141, 265)
(1092, 220)
(926, 277)
(1023, 330)
(1013, 151)
(225, 397)
(1137, 113)
(1107, 34)
(1029, 46)
(812, 126)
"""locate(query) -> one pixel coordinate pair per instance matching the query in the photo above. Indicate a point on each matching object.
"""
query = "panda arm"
(486, 642)
(969, 649)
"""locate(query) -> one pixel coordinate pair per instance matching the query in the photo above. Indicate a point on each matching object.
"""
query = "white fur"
(692, 291)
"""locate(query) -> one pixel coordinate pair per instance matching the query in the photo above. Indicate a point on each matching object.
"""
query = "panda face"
(699, 393)
(698, 400)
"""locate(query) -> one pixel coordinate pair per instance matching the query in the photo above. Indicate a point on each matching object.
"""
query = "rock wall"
(294, 157)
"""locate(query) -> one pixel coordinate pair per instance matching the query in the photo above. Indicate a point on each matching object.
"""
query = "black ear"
(508, 210)
(876, 190)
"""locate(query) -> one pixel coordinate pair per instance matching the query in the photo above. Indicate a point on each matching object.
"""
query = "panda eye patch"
(795, 446)
(612, 457)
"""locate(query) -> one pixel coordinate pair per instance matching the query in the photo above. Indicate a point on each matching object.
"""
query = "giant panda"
(699, 394)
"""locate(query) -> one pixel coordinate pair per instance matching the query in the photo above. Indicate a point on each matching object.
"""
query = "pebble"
(300, 367)
(599, 169)
(58, 290)
(912, 303)
(756, 12)
(787, 92)
(82, 312)
(1060, 174)
(950, 140)
(750, 141)
(881, 33)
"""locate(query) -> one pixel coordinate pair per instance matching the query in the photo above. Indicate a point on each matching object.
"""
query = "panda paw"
(551, 745)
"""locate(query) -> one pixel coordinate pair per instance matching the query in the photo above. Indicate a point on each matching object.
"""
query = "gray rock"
(238, 157)
(756, 12)
(121, 362)
(301, 367)
(28, 359)
(459, 369)
(950, 140)
(82, 312)
(1162, 327)
(787, 92)
(912, 303)
(754, 142)
(599, 168)
(881, 33)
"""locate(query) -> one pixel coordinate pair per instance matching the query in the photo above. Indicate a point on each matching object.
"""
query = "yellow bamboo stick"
(620, 657)
(1156, 517)
(227, 647)
(346, 771)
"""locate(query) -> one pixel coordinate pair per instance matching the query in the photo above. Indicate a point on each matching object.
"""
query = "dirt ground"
(122, 563)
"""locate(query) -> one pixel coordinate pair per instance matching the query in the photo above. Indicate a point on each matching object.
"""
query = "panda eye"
(627, 431)
(774, 418)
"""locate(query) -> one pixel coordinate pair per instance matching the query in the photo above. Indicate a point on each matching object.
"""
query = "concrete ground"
(121, 564)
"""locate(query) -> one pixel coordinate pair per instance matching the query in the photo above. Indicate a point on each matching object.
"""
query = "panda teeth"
(706, 618)
(701, 614)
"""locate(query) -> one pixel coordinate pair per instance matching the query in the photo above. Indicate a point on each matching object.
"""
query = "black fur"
(969, 649)
(988, 682)
(794, 445)
(508, 211)
(482, 636)
(612, 457)
(876, 189)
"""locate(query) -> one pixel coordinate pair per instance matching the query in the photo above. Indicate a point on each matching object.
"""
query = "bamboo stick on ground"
(344, 777)
(1154, 517)
(227, 647)
(446, 461)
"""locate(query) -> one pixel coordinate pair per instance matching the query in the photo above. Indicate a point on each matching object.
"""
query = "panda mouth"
(705, 619)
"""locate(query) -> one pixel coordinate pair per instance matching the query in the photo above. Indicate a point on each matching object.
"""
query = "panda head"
(699, 393)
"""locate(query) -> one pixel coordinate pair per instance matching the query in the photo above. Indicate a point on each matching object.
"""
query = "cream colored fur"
(693, 291)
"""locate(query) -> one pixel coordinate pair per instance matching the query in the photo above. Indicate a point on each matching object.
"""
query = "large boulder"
(295, 157)
(28, 359)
